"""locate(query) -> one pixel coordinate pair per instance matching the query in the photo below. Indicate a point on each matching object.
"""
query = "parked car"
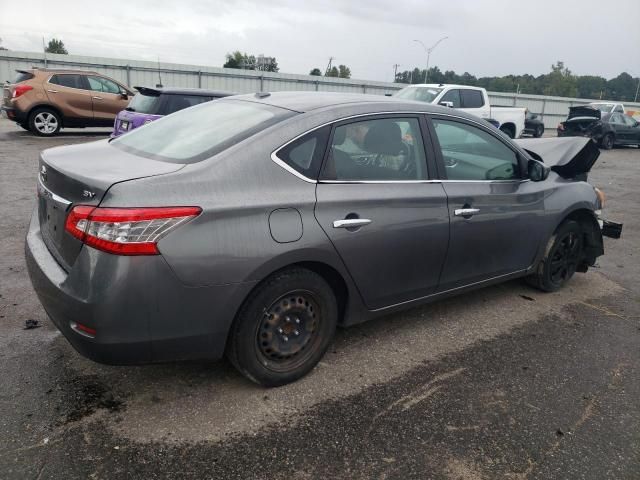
(46, 100)
(533, 125)
(608, 107)
(149, 104)
(606, 129)
(254, 225)
(474, 100)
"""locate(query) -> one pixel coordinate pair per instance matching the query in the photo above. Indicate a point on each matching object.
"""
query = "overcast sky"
(486, 38)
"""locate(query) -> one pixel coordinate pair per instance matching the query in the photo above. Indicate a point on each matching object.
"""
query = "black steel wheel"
(563, 255)
(284, 327)
(539, 131)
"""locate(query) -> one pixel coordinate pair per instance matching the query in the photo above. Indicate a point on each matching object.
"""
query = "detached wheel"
(607, 142)
(45, 122)
(562, 256)
(539, 131)
(284, 328)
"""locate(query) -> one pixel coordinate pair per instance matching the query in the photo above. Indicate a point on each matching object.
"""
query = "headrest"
(384, 138)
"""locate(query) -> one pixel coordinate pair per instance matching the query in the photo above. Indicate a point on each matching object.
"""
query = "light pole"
(428, 52)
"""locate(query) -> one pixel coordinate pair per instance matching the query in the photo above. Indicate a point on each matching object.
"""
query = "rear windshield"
(22, 76)
(144, 103)
(191, 135)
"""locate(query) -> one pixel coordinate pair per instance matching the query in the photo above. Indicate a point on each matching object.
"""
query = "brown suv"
(44, 100)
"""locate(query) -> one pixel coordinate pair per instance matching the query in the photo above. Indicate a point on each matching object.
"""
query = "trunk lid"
(585, 112)
(81, 175)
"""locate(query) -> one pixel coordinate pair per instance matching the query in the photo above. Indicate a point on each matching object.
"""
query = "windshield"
(422, 94)
(603, 107)
(144, 103)
(196, 133)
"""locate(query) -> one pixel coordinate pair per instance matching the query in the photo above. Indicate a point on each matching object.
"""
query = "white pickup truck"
(473, 100)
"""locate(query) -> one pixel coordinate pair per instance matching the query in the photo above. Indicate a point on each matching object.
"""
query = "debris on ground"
(31, 324)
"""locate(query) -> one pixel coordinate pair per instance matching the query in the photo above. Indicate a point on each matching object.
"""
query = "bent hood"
(569, 157)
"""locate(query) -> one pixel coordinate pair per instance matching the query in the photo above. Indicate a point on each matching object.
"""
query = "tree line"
(560, 82)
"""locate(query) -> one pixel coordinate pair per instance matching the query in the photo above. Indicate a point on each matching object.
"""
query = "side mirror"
(124, 94)
(446, 104)
(537, 171)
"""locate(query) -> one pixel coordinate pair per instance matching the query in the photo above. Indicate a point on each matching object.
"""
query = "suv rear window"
(189, 136)
(471, 98)
(143, 103)
(174, 103)
(23, 76)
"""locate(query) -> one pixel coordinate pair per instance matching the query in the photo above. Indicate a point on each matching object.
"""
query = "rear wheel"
(284, 328)
(607, 141)
(45, 122)
(539, 131)
(562, 257)
(508, 130)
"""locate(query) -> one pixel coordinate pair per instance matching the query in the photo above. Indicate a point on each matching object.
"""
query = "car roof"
(442, 85)
(307, 101)
(35, 70)
(185, 91)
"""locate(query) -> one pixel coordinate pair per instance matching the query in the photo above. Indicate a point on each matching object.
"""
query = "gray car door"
(495, 212)
(387, 220)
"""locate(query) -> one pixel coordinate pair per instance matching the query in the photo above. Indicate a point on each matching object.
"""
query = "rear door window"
(386, 149)
(471, 98)
(68, 80)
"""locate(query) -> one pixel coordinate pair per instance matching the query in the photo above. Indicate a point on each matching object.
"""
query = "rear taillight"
(20, 89)
(126, 231)
(560, 126)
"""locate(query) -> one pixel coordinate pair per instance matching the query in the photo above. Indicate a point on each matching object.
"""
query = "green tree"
(560, 82)
(56, 46)
(622, 88)
(344, 71)
(316, 72)
(333, 72)
(590, 86)
(238, 59)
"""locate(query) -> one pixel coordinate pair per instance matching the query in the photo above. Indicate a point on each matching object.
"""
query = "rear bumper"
(140, 311)
(14, 114)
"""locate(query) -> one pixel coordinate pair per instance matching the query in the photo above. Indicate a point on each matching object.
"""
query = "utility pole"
(44, 49)
(395, 71)
(328, 66)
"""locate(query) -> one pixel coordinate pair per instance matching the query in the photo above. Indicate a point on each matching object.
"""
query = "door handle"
(97, 98)
(351, 223)
(52, 91)
(465, 212)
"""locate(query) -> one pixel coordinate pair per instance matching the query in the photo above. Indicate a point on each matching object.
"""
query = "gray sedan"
(256, 224)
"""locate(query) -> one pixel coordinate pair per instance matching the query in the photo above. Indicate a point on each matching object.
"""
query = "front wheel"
(563, 254)
(284, 328)
(508, 131)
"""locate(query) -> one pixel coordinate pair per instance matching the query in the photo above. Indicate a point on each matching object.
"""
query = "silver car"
(256, 224)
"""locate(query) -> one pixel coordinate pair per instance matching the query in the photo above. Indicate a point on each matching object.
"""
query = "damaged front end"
(573, 158)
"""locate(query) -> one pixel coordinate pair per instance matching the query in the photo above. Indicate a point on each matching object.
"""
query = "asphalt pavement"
(504, 382)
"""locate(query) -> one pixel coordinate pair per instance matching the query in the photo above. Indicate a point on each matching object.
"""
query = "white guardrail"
(138, 72)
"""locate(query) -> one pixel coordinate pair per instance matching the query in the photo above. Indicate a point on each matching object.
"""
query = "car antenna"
(159, 85)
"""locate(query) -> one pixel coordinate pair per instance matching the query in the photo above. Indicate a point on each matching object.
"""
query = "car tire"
(45, 122)
(283, 328)
(508, 131)
(607, 141)
(561, 259)
(539, 131)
